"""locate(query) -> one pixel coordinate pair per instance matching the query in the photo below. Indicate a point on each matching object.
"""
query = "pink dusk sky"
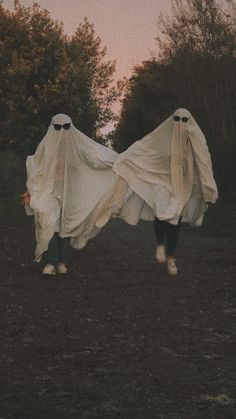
(127, 27)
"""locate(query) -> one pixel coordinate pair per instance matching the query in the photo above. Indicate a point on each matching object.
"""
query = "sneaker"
(49, 270)
(160, 254)
(171, 266)
(61, 268)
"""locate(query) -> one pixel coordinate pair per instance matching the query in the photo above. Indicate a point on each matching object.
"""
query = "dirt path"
(118, 337)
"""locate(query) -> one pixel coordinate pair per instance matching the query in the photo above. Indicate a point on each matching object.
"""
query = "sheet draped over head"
(171, 170)
(72, 186)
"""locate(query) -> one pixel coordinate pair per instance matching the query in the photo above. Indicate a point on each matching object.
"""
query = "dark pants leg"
(167, 234)
(51, 254)
(57, 250)
(160, 230)
(172, 239)
(63, 245)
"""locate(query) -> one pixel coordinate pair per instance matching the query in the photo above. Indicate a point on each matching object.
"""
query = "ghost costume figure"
(171, 170)
(71, 186)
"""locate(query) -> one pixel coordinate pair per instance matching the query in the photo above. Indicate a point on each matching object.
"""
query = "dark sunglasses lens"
(176, 118)
(185, 119)
(66, 126)
(57, 127)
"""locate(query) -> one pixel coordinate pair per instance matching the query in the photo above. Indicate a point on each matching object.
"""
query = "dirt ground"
(117, 337)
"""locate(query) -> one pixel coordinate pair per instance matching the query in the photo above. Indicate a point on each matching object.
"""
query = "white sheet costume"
(72, 187)
(171, 171)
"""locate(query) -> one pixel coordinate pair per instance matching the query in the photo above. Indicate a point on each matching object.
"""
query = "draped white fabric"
(76, 185)
(171, 170)
(72, 186)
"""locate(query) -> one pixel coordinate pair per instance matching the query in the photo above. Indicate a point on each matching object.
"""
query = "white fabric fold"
(72, 186)
(171, 170)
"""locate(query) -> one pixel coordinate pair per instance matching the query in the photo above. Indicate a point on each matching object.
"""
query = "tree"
(148, 99)
(196, 69)
(43, 72)
(87, 58)
(200, 44)
(32, 48)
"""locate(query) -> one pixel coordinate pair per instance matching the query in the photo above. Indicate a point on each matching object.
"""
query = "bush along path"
(118, 337)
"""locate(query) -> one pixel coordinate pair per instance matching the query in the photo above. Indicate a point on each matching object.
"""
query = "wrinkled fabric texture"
(73, 190)
(171, 170)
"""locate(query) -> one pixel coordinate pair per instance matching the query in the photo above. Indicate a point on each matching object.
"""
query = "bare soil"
(118, 337)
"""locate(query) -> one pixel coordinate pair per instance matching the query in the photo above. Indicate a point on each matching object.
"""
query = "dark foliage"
(43, 72)
(196, 69)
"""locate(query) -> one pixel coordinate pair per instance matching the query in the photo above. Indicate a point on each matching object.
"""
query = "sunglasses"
(59, 126)
(177, 118)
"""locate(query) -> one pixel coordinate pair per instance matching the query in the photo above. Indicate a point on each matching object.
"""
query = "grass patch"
(220, 218)
(13, 178)
(11, 209)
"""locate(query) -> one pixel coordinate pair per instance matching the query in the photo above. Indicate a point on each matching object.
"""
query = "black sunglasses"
(59, 126)
(177, 118)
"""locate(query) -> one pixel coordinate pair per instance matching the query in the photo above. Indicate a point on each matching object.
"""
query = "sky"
(127, 27)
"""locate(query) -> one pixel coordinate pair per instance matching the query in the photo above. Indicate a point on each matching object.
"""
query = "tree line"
(44, 72)
(195, 68)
